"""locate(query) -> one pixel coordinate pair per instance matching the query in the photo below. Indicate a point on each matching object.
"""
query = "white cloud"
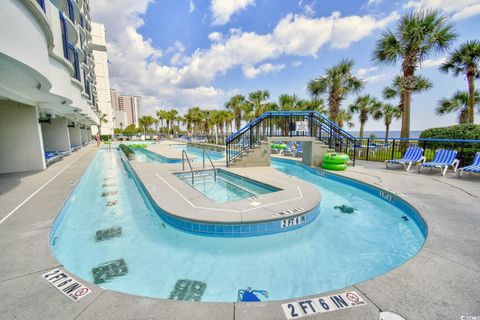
(296, 64)
(252, 72)
(362, 72)
(458, 9)
(370, 74)
(308, 8)
(373, 2)
(429, 63)
(376, 77)
(191, 7)
(215, 36)
(222, 10)
(138, 67)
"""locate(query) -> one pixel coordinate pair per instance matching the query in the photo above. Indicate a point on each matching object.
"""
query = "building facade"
(103, 83)
(126, 109)
(48, 96)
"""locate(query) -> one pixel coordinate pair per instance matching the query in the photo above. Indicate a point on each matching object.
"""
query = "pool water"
(147, 156)
(109, 233)
(226, 187)
(198, 152)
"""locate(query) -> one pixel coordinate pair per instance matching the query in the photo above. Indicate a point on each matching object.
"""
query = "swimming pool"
(226, 187)
(147, 156)
(198, 152)
(110, 234)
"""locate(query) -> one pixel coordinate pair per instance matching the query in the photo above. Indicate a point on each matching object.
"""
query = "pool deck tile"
(440, 282)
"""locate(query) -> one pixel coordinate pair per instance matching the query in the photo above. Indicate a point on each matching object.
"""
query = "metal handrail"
(211, 162)
(185, 156)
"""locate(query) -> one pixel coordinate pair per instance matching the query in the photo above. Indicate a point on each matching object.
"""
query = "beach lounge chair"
(474, 167)
(51, 157)
(290, 150)
(442, 159)
(299, 150)
(413, 155)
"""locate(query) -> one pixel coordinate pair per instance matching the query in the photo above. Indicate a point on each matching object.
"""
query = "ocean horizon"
(381, 134)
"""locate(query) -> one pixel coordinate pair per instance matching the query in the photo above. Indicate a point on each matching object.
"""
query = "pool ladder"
(185, 157)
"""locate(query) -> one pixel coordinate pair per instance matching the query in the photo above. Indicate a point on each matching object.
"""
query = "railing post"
(354, 151)
(368, 148)
(393, 149)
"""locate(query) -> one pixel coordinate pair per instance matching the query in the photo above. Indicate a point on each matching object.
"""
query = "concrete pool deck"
(441, 282)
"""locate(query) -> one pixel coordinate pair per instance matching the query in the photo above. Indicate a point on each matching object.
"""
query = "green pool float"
(335, 161)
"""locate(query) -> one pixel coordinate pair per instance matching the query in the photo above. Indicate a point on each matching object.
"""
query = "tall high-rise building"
(131, 105)
(48, 97)
(103, 82)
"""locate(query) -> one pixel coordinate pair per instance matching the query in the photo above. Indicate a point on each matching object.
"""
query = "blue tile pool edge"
(383, 194)
(224, 229)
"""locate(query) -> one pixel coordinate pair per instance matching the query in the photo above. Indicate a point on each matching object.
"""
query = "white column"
(56, 135)
(21, 146)
(75, 135)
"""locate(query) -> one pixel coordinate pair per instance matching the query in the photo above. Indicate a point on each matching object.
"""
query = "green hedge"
(466, 151)
(127, 151)
(137, 145)
(461, 131)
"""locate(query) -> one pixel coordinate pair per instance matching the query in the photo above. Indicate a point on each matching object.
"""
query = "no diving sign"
(66, 284)
(309, 307)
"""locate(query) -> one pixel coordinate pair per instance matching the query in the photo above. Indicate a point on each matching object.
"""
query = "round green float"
(335, 161)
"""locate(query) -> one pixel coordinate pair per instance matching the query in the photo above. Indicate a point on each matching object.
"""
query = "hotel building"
(48, 95)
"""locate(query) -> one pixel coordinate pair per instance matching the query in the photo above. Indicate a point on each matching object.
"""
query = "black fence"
(380, 149)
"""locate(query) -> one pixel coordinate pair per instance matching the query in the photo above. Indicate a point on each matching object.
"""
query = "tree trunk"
(362, 127)
(238, 122)
(387, 130)
(471, 96)
(408, 84)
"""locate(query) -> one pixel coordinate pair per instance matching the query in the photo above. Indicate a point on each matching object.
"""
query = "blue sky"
(182, 53)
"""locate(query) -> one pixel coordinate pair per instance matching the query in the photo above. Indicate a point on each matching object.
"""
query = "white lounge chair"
(413, 155)
(474, 167)
(442, 159)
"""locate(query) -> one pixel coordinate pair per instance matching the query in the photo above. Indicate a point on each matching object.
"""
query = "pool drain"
(388, 315)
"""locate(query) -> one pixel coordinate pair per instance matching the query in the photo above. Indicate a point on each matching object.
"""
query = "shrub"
(461, 131)
(466, 151)
(137, 146)
(127, 151)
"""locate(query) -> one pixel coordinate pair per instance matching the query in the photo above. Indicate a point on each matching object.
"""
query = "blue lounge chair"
(413, 155)
(290, 150)
(299, 150)
(51, 157)
(474, 167)
(442, 159)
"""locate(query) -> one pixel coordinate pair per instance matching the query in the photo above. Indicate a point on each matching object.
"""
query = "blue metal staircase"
(280, 124)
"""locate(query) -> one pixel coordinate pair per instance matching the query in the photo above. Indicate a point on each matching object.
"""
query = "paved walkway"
(441, 282)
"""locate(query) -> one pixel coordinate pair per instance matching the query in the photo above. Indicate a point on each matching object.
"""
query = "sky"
(184, 53)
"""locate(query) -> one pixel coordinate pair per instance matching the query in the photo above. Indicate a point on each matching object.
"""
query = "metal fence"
(381, 149)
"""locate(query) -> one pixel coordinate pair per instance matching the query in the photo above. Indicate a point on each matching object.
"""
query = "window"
(41, 3)
(73, 58)
(63, 26)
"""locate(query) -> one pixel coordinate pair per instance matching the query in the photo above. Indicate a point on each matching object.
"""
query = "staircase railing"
(284, 124)
(211, 162)
(185, 156)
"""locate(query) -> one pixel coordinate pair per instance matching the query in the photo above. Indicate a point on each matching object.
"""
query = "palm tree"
(288, 102)
(345, 116)
(365, 106)
(229, 118)
(312, 105)
(459, 102)
(465, 61)
(337, 83)
(421, 84)
(388, 112)
(237, 105)
(194, 116)
(145, 123)
(161, 116)
(101, 120)
(257, 100)
(416, 36)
